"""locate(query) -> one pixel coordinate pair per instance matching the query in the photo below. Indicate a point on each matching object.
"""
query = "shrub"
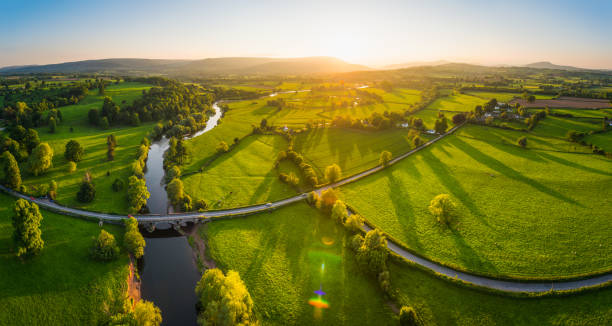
(52, 189)
(71, 167)
(200, 205)
(87, 192)
(354, 223)
(442, 207)
(339, 212)
(522, 141)
(118, 185)
(222, 147)
(313, 198)
(385, 157)
(407, 316)
(104, 247)
(187, 204)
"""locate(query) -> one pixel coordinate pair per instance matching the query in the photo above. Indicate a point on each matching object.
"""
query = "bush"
(442, 207)
(133, 240)
(458, 118)
(372, 254)
(327, 200)
(222, 147)
(339, 212)
(71, 167)
(385, 157)
(313, 198)
(407, 316)
(200, 205)
(522, 141)
(87, 192)
(354, 223)
(118, 185)
(104, 247)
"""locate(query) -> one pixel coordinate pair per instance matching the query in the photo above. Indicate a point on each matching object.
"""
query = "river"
(168, 271)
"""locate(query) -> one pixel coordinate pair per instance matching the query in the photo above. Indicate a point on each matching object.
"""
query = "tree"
(26, 224)
(333, 173)
(31, 140)
(339, 212)
(133, 240)
(87, 192)
(407, 316)
(354, 223)
(225, 299)
(74, 151)
(574, 136)
(173, 172)
(222, 147)
(372, 254)
(104, 247)
(175, 192)
(147, 314)
(71, 166)
(41, 159)
(522, 141)
(478, 111)
(327, 200)
(52, 125)
(442, 207)
(385, 157)
(458, 118)
(111, 143)
(441, 125)
(52, 189)
(531, 99)
(12, 175)
(137, 193)
(104, 123)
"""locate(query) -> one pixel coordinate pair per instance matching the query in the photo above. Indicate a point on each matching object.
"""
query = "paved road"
(509, 286)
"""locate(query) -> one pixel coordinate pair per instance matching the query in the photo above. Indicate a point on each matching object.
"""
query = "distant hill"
(211, 66)
(549, 65)
(415, 64)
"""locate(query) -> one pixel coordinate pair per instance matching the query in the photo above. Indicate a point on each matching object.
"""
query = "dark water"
(168, 272)
(169, 277)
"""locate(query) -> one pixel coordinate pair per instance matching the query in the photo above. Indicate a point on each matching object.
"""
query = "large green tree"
(74, 151)
(41, 159)
(372, 251)
(333, 173)
(104, 247)
(12, 175)
(87, 192)
(133, 240)
(137, 193)
(175, 192)
(225, 299)
(26, 224)
(442, 207)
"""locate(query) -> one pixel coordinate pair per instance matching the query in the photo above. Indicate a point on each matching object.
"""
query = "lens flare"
(318, 303)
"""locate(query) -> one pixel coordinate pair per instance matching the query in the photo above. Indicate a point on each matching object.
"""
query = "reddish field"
(565, 102)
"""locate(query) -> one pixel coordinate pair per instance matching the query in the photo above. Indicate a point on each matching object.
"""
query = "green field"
(601, 140)
(558, 127)
(280, 256)
(457, 102)
(93, 139)
(353, 150)
(440, 302)
(520, 212)
(243, 176)
(61, 286)
(505, 97)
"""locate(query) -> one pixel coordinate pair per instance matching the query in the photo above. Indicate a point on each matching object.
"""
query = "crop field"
(94, 161)
(500, 227)
(285, 255)
(243, 176)
(583, 112)
(63, 285)
(353, 150)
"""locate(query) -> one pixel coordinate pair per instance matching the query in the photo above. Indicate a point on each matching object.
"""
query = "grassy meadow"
(243, 176)
(520, 212)
(94, 161)
(284, 256)
(63, 285)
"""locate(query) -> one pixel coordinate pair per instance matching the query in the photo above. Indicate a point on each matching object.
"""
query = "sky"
(374, 33)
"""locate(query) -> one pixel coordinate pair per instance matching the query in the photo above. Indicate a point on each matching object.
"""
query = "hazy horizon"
(370, 33)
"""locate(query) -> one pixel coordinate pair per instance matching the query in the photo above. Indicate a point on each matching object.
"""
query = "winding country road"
(502, 285)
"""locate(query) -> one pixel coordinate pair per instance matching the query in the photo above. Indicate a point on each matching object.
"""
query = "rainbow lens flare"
(318, 303)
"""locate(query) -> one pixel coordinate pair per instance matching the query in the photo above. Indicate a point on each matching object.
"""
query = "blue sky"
(367, 32)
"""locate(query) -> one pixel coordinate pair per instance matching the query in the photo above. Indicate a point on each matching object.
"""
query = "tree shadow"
(403, 209)
(470, 256)
(443, 174)
(573, 164)
(508, 171)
